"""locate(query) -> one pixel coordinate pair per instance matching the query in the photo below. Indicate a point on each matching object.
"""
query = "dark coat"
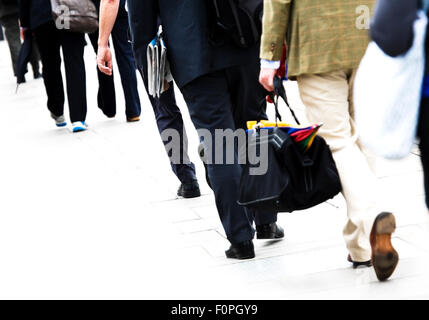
(8, 7)
(392, 25)
(34, 13)
(186, 25)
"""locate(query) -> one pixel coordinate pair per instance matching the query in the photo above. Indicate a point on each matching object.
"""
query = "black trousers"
(219, 101)
(168, 116)
(423, 132)
(127, 69)
(50, 40)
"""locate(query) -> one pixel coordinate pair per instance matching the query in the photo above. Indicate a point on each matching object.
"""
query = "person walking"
(9, 19)
(127, 69)
(36, 15)
(167, 113)
(206, 74)
(325, 45)
(395, 39)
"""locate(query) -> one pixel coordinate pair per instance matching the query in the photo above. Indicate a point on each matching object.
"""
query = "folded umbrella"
(24, 58)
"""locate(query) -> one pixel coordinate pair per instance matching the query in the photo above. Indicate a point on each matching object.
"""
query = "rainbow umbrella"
(302, 136)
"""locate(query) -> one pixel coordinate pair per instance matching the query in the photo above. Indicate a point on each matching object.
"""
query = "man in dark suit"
(167, 113)
(212, 79)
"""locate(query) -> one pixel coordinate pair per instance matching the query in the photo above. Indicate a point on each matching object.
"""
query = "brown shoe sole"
(384, 256)
(134, 119)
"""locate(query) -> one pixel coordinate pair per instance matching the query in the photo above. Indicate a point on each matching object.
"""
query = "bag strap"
(279, 91)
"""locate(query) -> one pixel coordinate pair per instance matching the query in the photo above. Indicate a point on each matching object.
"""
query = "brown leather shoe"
(359, 264)
(384, 256)
(133, 119)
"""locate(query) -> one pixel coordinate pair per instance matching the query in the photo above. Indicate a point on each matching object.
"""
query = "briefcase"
(295, 179)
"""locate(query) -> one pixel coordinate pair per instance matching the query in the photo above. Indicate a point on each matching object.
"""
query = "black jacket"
(392, 25)
(34, 13)
(186, 25)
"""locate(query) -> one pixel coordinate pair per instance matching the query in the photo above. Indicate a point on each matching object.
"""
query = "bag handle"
(279, 91)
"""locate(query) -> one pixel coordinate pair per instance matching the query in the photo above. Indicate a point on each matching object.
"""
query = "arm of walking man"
(392, 25)
(108, 13)
(275, 22)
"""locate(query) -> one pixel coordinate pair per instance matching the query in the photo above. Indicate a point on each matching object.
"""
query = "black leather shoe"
(269, 232)
(359, 264)
(241, 251)
(189, 190)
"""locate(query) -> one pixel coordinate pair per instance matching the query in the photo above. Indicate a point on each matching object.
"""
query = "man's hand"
(104, 60)
(266, 78)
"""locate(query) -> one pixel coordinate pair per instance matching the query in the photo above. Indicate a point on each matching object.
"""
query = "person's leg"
(326, 97)
(106, 96)
(126, 64)
(168, 116)
(34, 60)
(73, 45)
(210, 108)
(12, 33)
(249, 104)
(48, 40)
(423, 132)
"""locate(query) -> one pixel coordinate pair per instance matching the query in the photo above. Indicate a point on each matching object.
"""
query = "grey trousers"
(11, 27)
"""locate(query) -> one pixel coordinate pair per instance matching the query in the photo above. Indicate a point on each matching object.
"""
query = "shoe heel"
(386, 223)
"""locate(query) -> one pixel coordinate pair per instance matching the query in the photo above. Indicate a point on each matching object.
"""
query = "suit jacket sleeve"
(392, 25)
(274, 25)
(24, 13)
(144, 22)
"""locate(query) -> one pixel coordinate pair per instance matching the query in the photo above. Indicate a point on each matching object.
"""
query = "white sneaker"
(60, 121)
(79, 126)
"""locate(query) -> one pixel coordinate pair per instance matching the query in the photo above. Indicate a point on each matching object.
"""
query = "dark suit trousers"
(50, 40)
(168, 116)
(126, 63)
(423, 132)
(106, 96)
(210, 100)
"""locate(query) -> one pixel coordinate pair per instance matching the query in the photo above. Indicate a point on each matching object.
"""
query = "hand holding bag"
(295, 180)
(387, 96)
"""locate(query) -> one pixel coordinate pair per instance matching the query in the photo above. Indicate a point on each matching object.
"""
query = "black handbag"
(295, 180)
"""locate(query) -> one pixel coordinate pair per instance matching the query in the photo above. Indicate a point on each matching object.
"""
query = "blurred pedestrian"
(36, 15)
(9, 18)
(167, 113)
(1, 33)
(325, 45)
(392, 30)
(208, 77)
(127, 69)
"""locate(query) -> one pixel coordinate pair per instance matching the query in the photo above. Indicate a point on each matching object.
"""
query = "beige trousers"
(329, 99)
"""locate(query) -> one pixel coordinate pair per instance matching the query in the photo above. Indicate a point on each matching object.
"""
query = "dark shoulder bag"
(81, 15)
(295, 180)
